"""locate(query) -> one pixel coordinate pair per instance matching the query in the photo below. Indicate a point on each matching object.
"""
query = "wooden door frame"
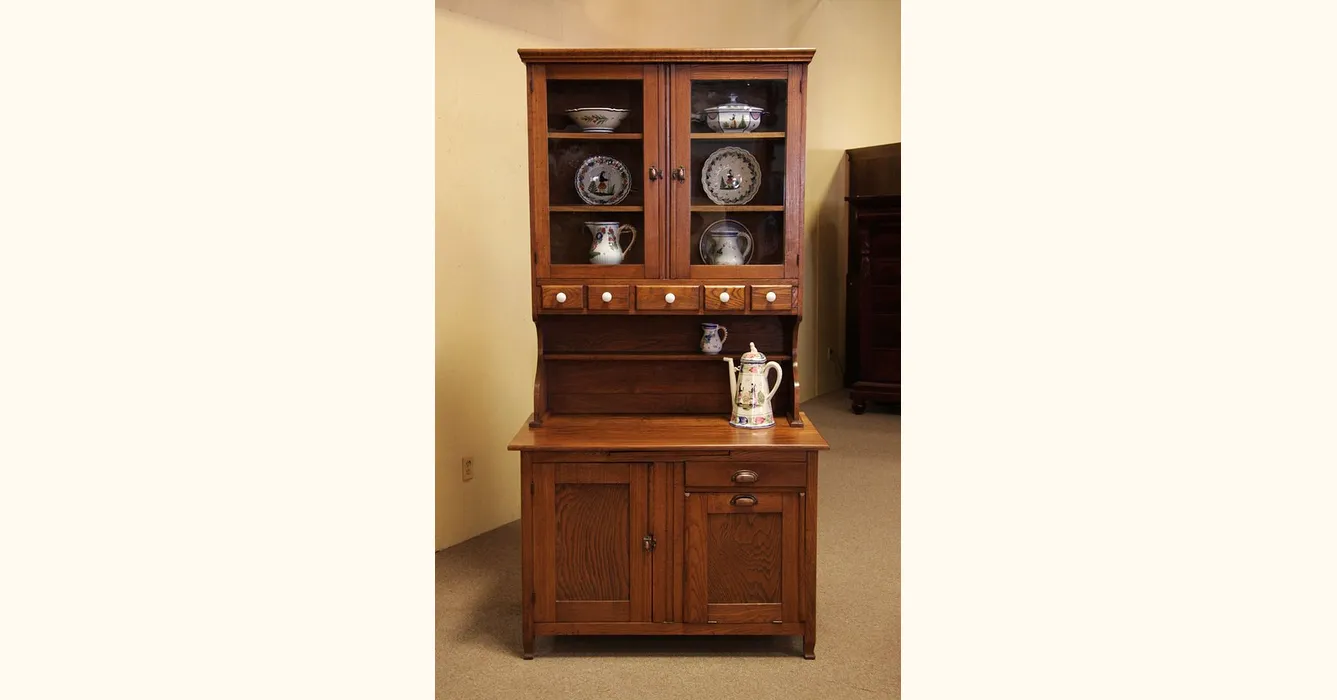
(696, 606)
(653, 143)
(678, 113)
(547, 608)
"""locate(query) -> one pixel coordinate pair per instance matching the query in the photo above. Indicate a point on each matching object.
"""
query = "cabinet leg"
(809, 641)
(859, 406)
(528, 642)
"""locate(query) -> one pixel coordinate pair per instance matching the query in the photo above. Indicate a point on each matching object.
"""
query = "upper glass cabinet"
(731, 130)
(600, 215)
(666, 171)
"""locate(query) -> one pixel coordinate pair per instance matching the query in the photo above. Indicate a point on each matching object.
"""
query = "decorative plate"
(603, 180)
(731, 176)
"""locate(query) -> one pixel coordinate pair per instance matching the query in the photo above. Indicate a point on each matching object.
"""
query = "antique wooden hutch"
(643, 510)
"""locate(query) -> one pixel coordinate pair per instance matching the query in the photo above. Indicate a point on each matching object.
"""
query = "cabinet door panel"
(742, 557)
(590, 562)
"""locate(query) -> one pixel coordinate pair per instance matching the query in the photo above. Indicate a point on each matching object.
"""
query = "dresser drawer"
(656, 297)
(751, 475)
(562, 297)
(783, 297)
(609, 297)
(724, 298)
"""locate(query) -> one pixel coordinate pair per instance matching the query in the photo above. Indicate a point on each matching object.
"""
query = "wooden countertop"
(575, 433)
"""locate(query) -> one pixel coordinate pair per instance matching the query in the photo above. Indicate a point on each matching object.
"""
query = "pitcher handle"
(747, 251)
(779, 374)
(625, 227)
(724, 334)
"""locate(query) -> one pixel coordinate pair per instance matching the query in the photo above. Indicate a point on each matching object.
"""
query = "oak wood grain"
(737, 298)
(696, 562)
(784, 298)
(745, 558)
(574, 300)
(713, 475)
(527, 554)
(620, 297)
(592, 555)
(749, 612)
(562, 433)
(654, 297)
(674, 628)
(656, 55)
(545, 544)
(594, 611)
(809, 499)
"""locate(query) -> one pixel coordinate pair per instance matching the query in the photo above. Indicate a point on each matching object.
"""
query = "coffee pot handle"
(748, 250)
(626, 227)
(779, 374)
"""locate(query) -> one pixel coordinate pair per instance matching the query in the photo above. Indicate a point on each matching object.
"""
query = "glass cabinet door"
(598, 198)
(737, 145)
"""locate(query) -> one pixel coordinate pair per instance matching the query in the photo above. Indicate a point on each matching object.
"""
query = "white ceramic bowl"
(597, 120)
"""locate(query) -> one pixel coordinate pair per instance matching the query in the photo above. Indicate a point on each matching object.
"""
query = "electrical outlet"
(468, 464)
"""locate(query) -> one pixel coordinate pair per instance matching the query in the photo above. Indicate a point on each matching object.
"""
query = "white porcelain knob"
(561, 297)
(607, 297)
(770, 296)
(669, 297)
(724, 297)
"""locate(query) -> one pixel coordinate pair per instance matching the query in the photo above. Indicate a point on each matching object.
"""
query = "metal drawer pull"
(744, 476)
(743, 500)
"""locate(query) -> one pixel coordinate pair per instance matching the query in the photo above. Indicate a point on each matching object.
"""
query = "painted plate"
(603, 180)
(731, 176)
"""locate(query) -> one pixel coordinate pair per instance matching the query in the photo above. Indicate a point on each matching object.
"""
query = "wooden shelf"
(742, 207)
(596, 207)
(653, 356)
(602, 432)
(712, 136)
(615, 136)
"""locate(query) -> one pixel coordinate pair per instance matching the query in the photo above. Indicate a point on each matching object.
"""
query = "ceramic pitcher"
(607, 247)
(713, 336)
(724, 248)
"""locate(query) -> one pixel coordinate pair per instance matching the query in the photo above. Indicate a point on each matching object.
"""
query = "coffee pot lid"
(753, 355)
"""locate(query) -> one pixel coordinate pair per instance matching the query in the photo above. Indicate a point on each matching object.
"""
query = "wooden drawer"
(618, 297)
(715, 299)
(654, 297)
(737, 474)
(784, 298)
(573, 298)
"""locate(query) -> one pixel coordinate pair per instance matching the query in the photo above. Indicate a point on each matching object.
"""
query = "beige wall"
(485, 335)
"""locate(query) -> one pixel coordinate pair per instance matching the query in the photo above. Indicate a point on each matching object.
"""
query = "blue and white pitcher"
(713, 336)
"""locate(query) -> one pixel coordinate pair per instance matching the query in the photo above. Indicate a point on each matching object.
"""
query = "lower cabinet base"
(553, 629)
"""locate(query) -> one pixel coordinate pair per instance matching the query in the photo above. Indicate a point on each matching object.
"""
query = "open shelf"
(596, 207)
(615, 136)
(651, 356)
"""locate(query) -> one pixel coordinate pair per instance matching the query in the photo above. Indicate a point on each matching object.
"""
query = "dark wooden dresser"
(873, 284)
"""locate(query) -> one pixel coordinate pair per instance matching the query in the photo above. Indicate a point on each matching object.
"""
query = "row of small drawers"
(667, 297)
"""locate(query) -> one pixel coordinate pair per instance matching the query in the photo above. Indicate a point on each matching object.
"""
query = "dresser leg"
(809, 641)
(859, 406)
(528, 642)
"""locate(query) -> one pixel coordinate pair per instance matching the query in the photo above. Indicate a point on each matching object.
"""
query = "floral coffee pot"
(751, 393)
(713, 336)
(607, 248)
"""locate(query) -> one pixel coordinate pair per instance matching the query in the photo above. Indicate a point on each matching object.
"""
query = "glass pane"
(596, 164)
(738, 172)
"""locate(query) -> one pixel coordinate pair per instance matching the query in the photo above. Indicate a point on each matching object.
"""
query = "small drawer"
(751, 475)
(783, 298)
(604, 297)
(562, 297)
(668, 297)
(720, 298)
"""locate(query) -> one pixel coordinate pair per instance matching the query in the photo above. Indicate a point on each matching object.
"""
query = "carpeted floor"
(858, 604)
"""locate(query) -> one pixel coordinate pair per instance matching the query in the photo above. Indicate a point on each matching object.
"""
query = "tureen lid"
(733, 105)
(754, 355)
